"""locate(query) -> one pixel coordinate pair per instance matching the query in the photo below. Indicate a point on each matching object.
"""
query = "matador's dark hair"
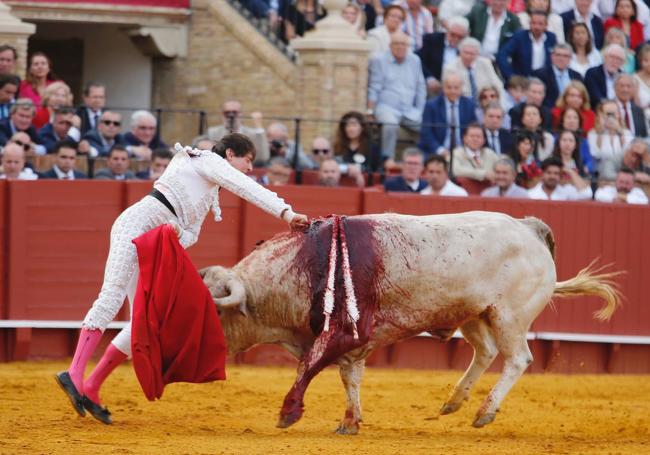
(240, 144)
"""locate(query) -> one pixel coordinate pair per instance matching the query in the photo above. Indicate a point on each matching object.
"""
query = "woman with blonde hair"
(355, 16)
(575, 96)
(55, 95)
(39, 76)
(609, 138)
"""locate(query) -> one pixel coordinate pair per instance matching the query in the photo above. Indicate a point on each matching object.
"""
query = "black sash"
(161, 197)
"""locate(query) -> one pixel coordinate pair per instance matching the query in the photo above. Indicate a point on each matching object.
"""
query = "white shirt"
(191, 183)
(450, 189)
(565, 192)
(63, 175)
(449, 54)
(608, 194)
(609, 82)
(593, 59)
(539, 53)
(492, 33)
(25, 174)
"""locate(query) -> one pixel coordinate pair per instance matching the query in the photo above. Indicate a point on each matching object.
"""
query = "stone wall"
(227, 59)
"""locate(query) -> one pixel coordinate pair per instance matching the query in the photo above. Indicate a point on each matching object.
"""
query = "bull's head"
(226, 288)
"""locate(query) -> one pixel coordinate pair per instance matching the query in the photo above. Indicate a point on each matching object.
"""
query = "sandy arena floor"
(542, 414)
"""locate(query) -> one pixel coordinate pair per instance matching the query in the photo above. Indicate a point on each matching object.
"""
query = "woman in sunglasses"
(181, 197)
(609, 138)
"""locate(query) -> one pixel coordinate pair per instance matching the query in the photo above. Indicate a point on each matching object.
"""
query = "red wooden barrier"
(55, 237)
(310, 200)
(583, 232)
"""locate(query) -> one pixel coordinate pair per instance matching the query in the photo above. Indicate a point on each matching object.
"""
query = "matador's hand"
(299, 222)
(176, 227)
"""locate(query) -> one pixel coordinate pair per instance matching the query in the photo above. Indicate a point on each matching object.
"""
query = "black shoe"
(99, 412)
(65, 382)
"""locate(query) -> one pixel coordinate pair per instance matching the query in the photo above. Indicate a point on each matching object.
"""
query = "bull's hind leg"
(478, 334)
(351, 371)
(511, 342)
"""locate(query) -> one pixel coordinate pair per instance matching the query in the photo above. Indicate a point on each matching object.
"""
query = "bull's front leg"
(351, 373)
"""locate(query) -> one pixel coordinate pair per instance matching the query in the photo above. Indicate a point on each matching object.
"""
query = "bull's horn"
(237, 296)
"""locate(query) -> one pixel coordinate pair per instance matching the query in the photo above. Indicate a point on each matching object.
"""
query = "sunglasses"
(112, 122)
(319, 151)
(230, 113)
(26, 147)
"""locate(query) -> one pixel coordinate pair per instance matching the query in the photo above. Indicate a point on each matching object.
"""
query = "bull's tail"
(589, 281)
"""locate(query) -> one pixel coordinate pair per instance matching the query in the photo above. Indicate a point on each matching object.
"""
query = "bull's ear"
(203, 271)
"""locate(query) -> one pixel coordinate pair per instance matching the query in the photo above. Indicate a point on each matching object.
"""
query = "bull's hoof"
(481, 421)
(449, 408)
(285, 421)
(348, 428)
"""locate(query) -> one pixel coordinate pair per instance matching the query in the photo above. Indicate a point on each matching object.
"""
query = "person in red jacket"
(181, 197)
(625, 18)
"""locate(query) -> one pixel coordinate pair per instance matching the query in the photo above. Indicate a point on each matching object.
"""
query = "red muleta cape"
(176, 331)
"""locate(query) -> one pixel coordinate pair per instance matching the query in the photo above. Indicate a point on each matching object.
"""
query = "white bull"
(485, 273)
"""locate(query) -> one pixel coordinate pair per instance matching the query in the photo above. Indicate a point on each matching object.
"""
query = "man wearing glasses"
(231, 112)
(107, 134)
(143, 137)
(59, 129)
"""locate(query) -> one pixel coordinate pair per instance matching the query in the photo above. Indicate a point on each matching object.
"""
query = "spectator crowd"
(542, 99)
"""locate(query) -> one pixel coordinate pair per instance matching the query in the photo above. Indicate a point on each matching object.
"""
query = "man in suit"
(445, 117)
(231, 112)
(472, 159)
(527, 50)
(492, 25)
(535, 94)
(412, 168)
(66, 157)
(118, 166)
(475, 71)
(20, 119)
(440, 49)
(143, 137)
(396, 92)
(12, 162)
(557, 75)
(58, 129)
(94, 102)
(599, 80)
(498, 139)
(632, 115)
(107, 134)
(582, 12)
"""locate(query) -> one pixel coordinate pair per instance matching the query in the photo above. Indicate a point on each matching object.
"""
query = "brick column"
(15, 32)
(333, 72)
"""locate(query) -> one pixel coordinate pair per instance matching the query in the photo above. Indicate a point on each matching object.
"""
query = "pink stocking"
(88, 341)
(109, 361)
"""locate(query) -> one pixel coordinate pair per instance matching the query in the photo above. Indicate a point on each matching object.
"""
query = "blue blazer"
(6, 132)
(569, 18)
(399, 184)
(434, 122)
(547, 75)
(596, 85)
(516, 56)
(48, 139)
(506, 141)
